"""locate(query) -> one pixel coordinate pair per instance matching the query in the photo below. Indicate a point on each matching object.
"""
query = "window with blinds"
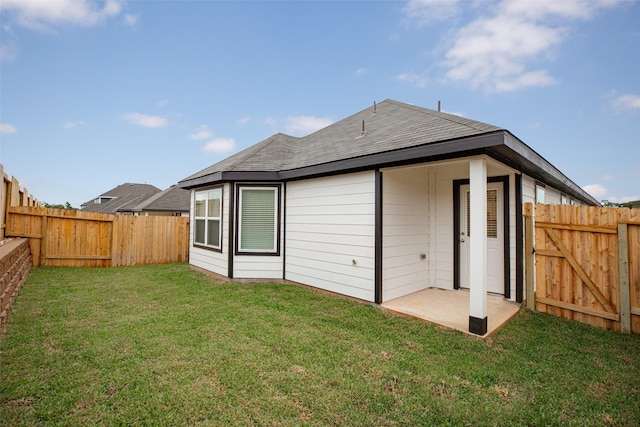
(492, 213)
(208, 218)
(258, 219)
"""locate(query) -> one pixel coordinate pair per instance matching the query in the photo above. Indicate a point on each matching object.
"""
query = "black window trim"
(276, 186)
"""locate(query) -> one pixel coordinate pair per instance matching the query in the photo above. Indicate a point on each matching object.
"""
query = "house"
(174, 201)
(389, 201)
(140, 199)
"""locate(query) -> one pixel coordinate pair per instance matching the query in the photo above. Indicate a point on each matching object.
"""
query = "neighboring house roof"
(390, 133)
(173, 199)
(127, 194)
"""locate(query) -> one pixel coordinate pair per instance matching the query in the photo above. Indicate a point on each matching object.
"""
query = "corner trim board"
(378, 238)
(231, 229)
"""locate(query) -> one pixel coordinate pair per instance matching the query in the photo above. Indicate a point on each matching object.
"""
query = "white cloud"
(72, 124)
(270, 121)
(492, 53)
(601, 192)
(8, 50)
(6, 128)
(203, 132)
(40, 15)
(596, 190)
(500, 50)
(427, 11)
(361, 71)
(162, 103)
(243, 120)
(131, 20)
(219, 146)
(626, 102)
(303, 125)
(418, 80)
(145, 120)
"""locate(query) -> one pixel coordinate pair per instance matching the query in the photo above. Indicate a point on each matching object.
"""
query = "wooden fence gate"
(84, 239)
(587, 264)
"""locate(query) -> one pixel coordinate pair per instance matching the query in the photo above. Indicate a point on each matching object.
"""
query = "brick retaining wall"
(15, 264)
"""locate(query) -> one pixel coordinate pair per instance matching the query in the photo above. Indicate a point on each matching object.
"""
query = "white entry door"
(495, 237)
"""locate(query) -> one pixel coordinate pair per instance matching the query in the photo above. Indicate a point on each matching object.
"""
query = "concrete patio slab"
(450, 308)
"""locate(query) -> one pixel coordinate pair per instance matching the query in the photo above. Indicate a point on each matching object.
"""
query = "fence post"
(529, 256)
(623, 264)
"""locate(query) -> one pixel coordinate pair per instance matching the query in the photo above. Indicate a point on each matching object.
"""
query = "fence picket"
(580, 265)
(85, 239)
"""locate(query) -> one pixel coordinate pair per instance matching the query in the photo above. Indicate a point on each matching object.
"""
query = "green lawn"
(165, 345)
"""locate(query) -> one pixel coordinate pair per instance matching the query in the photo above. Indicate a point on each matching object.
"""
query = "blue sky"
(94, 94)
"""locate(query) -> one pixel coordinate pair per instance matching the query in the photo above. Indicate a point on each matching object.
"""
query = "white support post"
(478, 247)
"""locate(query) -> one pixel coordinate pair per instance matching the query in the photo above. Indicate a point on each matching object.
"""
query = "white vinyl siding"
(405, 239)
(330, 229)
(552, 196)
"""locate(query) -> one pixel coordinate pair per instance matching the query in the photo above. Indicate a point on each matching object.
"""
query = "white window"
(564, 200)
(258, 220)
(539, 193)
(208, 218)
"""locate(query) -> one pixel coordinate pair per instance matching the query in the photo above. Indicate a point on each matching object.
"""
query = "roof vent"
(374, 107)
(439, 106)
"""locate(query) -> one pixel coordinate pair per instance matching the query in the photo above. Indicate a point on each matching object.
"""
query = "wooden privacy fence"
(69, 238)
(587, 264)
(11, 194)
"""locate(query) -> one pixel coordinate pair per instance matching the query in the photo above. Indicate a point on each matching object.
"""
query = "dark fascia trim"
(448, 149)
(230, 176)
(522, 157)
(427, 152)
(501, 145)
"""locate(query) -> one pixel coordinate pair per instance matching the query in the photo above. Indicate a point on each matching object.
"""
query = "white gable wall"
(405, 227)
(205, 258)
(330, 224)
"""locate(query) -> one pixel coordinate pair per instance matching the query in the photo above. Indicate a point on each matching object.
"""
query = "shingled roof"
(390, 126)
(128, 194)
(389, 133)
(173, 199)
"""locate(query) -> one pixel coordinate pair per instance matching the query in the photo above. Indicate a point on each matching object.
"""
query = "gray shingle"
(393, 126)
(174, 199)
